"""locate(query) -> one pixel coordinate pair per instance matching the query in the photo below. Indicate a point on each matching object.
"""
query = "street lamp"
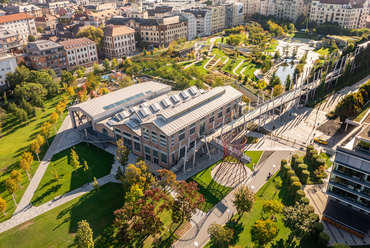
(196, 244)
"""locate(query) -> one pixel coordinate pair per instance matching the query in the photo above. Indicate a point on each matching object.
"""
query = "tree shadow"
(50, 191)
(238, 228)
(285, 243)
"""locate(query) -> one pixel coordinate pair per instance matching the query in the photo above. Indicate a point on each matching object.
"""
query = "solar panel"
(184, 94)
(149, 91)
(144, 112)
(193, 90)
(175, 98)
(166, 102)
(139, 95)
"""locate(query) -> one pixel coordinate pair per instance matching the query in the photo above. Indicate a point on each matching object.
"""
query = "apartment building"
(347, 13)
(51, 8)
(349, 186)
(100, 7)
(238, 14)
(203, 17)
(157, 124)
(218, 18)
(156, 31)
(229, 15)
(81, 51)
(22, 24)
(9, 39)
(7, 64)
(118, 41)
(46, 21)
(44, 54)
(29, 9)
(192, 25)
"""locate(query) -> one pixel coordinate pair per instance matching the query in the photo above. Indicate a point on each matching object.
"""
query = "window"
(211, 118)
(162, 140)
(117, 130)
(127, 134)
(154, 137)
(137, 138)
(104, 131)
(228, 108)
(145, 133)
(155, 157)
(137, 147)
(147, 153)
(164, 158)
(192, 128)
(173, 157)
(220, 113)
(182, 134)
(172, 140)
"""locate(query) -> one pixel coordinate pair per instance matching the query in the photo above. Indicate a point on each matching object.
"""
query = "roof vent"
(175, 98)
(166, 102)
(144, 112)
(155, 107)
(193, 90)
(184, 95)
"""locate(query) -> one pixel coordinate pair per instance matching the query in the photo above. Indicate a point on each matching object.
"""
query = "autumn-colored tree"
(86, 169)
(186, 202)
(84, 235)
(122, 153)
(25, 165)
(74, 159)
(16, 176)
(96, 186)
(272, 207)
(264, 231)
(45, 131)
(65, 100)
(139, 175)
(53, 120)
(278, 182)
(244, 199)
(40, 140)
(141, 219)
(220, 235)
(2, 206)
(134, 194)
(35, 147)
(70, 92)
(12, 187)
(166, 178)
(54, 174)
(60, 108)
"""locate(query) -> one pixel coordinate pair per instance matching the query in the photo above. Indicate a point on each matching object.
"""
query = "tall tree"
(139, 175)
(2, 206)
(96, 186)
(278, 182)
(84, 235)
(166, 178)
(53, 120)
(122, 153)
(220, 235)
(40, 140)
(264, 231)
(92, 33)
(31, 38)
(12, 187)
(60, 108)
(45, 131)
(68, 78)
(106, 64)
(272, 207)
(54, 174)
(186, 202)
(19, 76)
(16, 176)
(135, 193)
(74, 159)
(86, 169)
(70, 93)
(288, 83)
(35, 147)
(244, 199)
(297, 219)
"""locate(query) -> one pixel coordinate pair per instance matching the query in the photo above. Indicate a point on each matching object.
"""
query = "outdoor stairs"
(189, 153)
(93, 137)
(212, 63)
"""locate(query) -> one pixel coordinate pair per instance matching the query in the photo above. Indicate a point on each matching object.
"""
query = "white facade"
(20, 24)
(82, 52)
(203, 19)
(7, 64)
(192, 25)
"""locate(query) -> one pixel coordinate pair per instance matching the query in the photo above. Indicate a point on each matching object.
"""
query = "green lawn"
(57, 227)
(16, 138)
(219, 40)
(323, 51)
(255, 156)
(99, 162)
(200, 66)
(301, 36)
(229, 62)
(361, 115)
(271, 47)
(242, 225)
(216, 51)
(251, 68)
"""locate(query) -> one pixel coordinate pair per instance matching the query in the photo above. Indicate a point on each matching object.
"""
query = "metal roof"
(119, 99)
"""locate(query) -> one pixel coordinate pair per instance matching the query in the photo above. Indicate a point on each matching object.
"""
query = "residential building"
(94, 19)
(44, 54)
(7, 64)
(81, 51)
(22, 24)
(349, 185)
(65, 19)
(46, 21)
(118, 41)
(238, 14)
(155, 123)
(9, 39)
(51, 8)
(192, 25)
(161, 11)
(29, 9)
(229, 15)
(101, 7)
(347, 13)
(203, 17)
(218, 18)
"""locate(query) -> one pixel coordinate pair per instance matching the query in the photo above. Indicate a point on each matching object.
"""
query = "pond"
(285, 69)
(106, 76)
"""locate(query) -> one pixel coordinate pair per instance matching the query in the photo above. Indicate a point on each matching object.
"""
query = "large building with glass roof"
(156, 123)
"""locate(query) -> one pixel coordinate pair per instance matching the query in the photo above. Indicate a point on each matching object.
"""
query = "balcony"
(353, 178)
(348, 200)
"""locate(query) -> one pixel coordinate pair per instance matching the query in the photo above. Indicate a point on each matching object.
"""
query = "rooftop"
(41, 45)
(15, 17)
(71, 44)
(116, 30)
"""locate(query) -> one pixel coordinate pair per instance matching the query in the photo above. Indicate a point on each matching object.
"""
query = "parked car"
(321, 141)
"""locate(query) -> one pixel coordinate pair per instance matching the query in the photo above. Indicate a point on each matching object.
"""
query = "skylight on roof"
(184, 94)
(175, 98)
(166, 102)
(193, 90)
(155, 107)
(144, 112)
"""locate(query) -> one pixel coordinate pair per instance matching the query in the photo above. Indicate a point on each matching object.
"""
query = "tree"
(92, 33)
(278, 90)
(244, 199)
(40, 140)
(31, 38)
(141, 219)
(12, 187)
(323, 240)
(278, 183)
(139, 175)
(96, 69)
(2, 206)
(135, 193)
(74, 159)
(70, 92)
(208, 2)
(86, 169)
(297, 219)
(166, 178)
(106, 64)
(22, 74)
(60, 108)
(40, 29)
(79, 73)
(186, 202)
(24, 165)
(84, 235)
(68, 78)
(122, 153)
(272, 207)
(288, 83)
(45, 131)
(96, 185)
(21, 114)
(264, 231)
(220, 235)
(53, 120)
(54, 174)
(35, 147)
(340, 245)
(16, 176)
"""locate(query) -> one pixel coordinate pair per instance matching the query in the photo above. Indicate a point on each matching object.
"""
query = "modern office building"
(156, 123)
(80, 51)
(192, 25)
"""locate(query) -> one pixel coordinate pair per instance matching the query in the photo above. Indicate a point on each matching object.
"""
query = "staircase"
(189, 153)
(93, 137)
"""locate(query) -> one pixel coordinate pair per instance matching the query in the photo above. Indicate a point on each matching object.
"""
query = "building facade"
(9, 39)
(118, 41)
(7, 64)
(192, 25)
(81, 51)
(203, 17)
(29, 9)
(46, 21)
(22, 24)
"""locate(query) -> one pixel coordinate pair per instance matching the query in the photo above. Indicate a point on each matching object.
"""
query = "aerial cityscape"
(185, 124)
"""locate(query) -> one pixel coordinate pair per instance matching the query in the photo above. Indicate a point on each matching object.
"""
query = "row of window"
(155, 153)
(154, 139)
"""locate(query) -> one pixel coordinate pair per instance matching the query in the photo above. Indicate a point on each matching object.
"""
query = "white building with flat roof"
(7, 64)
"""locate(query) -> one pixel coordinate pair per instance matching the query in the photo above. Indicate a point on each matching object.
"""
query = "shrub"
(305, 201)
(294, 157)
(301, 167)
(297, 162)
(304, 177)
(289, 174)
(283, 162)
(323, 240)
(313, 152)
(320, 162)
(315, 157)
(293, 179)
(295, 187)
(299, 195)
(308, 150)
(317, 229)
(286, 168)
(252, 140)
(314, 217)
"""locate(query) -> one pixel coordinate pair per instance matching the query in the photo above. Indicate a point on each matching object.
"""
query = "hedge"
(283, 162)
(285, 168)
(323, 240)
(308, 150)
(313, 152)
(305, 201)
(295, 187)
(293, 179)
(301, 167)
(320, 161)
(304, 177)
(318, 228)
(289, 174)
(314, 159)
(299, 195)
(294, 157)
(297, 162)
(314, 217)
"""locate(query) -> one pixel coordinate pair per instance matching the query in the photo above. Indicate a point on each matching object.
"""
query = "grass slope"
(255, 156)
(99, 162)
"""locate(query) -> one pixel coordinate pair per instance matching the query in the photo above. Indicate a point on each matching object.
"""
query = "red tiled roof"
(15, 17)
